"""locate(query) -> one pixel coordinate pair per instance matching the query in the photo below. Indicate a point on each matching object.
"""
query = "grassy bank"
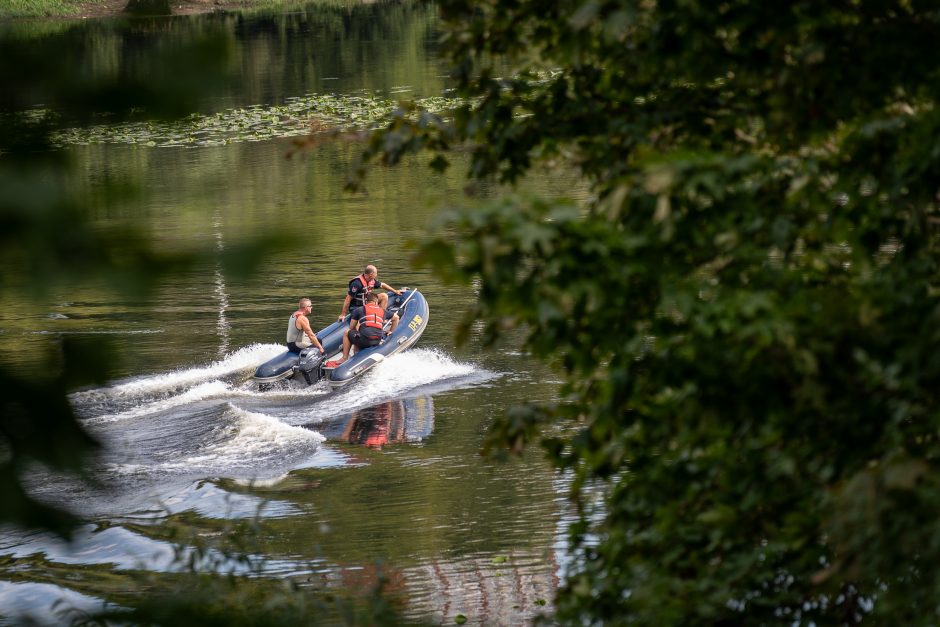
(11, 9)
(39, 8)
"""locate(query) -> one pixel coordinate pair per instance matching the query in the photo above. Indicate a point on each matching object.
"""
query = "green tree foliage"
(746, 310)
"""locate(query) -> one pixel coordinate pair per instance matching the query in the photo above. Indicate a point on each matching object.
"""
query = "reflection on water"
(392, 422)
(45, 604)
(197, 446)
(223, 326)
(488, 591)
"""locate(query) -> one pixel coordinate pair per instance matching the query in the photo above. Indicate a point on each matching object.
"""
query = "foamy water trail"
(248, 357)
(415, 368)
(250, 440)
(169, 393)
(201, 392)
(391, 379)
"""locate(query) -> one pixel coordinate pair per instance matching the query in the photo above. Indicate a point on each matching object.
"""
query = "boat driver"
(364, 284)
(299, 333)
(366, 327)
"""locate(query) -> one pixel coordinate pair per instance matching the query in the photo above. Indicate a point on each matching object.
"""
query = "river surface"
(387, 473)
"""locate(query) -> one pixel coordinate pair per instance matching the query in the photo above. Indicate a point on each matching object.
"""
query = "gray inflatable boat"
(310, 367)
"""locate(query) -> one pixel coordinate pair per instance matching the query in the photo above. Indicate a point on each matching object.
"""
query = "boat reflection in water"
(392, 422)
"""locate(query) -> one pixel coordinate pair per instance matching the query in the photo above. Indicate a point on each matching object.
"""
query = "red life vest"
(373, 318)
(359, 299)
(367, 284)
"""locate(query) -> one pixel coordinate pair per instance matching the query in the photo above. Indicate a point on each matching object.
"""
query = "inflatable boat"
(310, 366)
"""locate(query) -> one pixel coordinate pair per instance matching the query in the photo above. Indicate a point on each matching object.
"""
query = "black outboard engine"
(309, 365)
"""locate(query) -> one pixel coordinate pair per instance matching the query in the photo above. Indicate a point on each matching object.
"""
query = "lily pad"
(302, 115)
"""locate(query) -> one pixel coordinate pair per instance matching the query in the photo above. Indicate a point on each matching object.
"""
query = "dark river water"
(387, 472)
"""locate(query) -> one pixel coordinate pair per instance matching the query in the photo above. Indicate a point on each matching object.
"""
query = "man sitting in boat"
(364, 284)
(366, 327)
(299, 333)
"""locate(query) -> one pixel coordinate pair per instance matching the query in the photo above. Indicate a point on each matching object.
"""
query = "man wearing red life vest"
(366, 327)
(364, 284)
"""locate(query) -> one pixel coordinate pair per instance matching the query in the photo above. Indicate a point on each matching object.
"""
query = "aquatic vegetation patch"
(298, 116)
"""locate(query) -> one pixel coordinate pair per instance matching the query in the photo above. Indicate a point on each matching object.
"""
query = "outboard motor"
(309, 365)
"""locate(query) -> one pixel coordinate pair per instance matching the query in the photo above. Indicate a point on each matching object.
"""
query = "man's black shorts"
(364, 341)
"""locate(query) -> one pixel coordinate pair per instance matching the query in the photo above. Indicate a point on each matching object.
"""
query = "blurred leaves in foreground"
(746, 309)
(48, 242)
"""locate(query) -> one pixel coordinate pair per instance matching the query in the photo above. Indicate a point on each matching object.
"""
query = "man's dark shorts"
(364, 340)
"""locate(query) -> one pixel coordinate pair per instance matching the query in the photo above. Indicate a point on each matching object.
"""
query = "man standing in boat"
(299, 333)
(366, 327)
(364, 284)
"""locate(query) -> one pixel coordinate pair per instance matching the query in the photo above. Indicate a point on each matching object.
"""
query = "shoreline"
(102, 9)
